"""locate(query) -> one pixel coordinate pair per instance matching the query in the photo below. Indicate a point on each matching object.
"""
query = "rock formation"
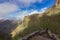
(57, 3)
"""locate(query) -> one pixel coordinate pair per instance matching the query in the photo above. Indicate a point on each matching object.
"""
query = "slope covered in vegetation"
(50, 19)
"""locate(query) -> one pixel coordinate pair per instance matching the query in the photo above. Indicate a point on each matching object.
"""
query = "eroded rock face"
(57, 3)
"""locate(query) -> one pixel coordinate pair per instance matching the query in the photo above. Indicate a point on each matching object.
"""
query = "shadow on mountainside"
(6, 27)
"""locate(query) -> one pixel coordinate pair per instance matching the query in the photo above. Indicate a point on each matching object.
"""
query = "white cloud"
(6, 8)
(30, 12)
(38, 12)
(24, 3)
(27, 3)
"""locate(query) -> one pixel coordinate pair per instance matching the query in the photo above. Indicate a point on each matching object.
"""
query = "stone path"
(41, 35)
(39, 38)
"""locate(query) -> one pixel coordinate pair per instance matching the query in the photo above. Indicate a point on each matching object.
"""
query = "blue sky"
(21, 8)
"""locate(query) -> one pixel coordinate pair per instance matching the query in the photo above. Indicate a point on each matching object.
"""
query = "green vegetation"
(50, 19)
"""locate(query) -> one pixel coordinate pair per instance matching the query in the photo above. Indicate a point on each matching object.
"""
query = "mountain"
(7, 26)
(50, 19)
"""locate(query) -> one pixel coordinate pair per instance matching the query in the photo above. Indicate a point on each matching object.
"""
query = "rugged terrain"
(50, 19)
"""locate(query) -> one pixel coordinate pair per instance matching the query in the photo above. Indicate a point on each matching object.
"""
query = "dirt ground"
(39, 38)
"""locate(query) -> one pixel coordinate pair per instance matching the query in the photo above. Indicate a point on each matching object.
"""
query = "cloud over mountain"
(6, 8)
(21, 8)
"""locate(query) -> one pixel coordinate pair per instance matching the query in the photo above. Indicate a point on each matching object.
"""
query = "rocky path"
(39, 38)
(41, 35)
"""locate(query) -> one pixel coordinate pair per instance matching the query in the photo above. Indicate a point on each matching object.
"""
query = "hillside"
(50, 19)
(6, 27)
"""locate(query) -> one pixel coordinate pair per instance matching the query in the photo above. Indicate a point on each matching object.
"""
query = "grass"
(49, 19)
(19, 29)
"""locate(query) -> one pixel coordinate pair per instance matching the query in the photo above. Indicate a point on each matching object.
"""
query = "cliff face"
(57, 3)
